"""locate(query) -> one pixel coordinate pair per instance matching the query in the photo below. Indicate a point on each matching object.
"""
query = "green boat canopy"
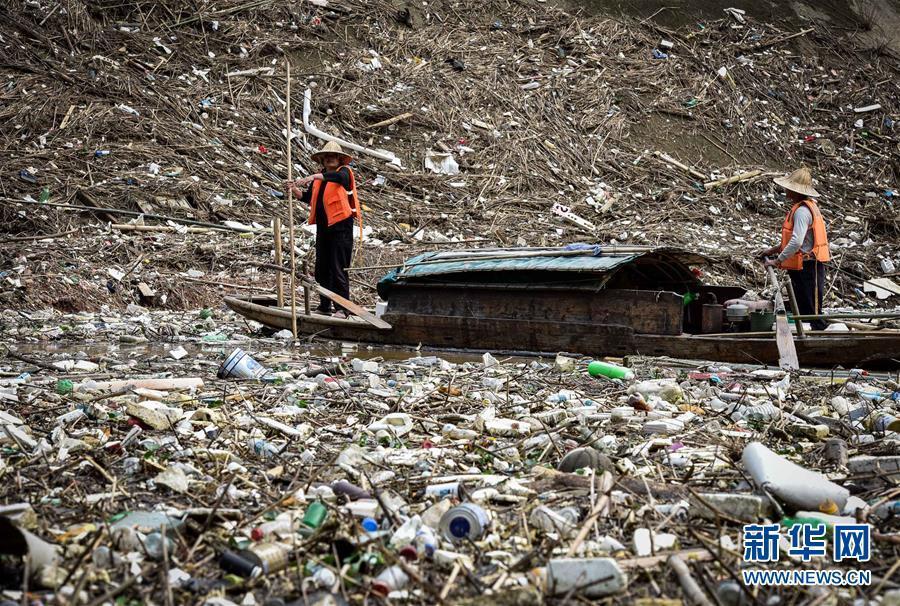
(574, 264)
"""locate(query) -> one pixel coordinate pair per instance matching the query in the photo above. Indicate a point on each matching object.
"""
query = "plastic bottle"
(369, 525)
(762, 412)
(263, 448)
(262, 558)
(426, 542)
(744, 507)
(442, 491)
(154, 545)
(315, 515)
(280, 527)
(798, 487)
(611, 371)
(70, 417)
(888, 510)
(396, 423)
(449, 430)
(589, 577)
(351, 491)
(406, 533)
(391, 579)
(321, 576)
(787, 522)
(562, 521)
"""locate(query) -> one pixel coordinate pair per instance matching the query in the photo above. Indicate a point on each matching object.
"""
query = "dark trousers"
(334, 249)
(809, 287)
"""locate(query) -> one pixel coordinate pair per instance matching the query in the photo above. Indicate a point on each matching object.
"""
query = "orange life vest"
(820, 239)
(339, 203)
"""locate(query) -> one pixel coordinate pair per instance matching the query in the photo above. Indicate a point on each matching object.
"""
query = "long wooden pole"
(794, 310)
(279, 284)
(290, 174)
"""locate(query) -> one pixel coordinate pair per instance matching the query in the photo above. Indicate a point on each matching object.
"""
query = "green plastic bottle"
(64, 386)
(612, 371)
(315, 515)
(787, 522)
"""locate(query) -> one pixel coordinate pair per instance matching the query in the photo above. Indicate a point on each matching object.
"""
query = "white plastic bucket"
(242, 366)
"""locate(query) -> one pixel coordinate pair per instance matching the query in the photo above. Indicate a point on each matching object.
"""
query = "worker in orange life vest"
(333, 206)
(803, 250)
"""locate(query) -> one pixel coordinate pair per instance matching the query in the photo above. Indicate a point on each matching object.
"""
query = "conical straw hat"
(799, 181)
(332, 148)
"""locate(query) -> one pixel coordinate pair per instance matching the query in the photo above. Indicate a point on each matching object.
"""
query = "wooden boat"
(595, 301)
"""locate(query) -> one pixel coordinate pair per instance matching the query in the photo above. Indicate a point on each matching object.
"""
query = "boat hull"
(817, 350)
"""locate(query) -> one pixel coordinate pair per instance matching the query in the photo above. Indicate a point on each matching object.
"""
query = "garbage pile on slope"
(508, 125)
(201, 474)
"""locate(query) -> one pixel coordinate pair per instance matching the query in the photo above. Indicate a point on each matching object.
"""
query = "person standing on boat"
(333, 206)
(803, 251)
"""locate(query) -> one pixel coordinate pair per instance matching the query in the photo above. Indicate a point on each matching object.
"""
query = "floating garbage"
(404, 475)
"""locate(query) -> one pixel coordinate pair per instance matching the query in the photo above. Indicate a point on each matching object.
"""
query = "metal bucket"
(242, 366)
(466, 521)
(761, 321)
(711, 319)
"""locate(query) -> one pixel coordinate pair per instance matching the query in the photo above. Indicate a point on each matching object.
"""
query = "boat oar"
(784, 338)
(345, 303)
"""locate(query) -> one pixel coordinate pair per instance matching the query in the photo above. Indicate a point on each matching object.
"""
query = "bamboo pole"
(670, 160)
(886, 315)
(735, 179)
(279, 285)
(306, 294)
(290, 173)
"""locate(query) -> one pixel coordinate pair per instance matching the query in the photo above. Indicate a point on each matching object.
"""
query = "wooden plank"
(345, 303)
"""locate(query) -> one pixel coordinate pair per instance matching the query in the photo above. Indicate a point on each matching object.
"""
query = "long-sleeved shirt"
(340, 176)
(801, 236)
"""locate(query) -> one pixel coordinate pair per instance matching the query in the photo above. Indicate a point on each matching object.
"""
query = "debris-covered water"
(138, 475)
